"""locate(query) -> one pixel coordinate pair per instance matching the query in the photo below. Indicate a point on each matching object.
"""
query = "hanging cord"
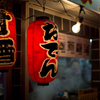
(39, 3)
(57, 1)
(65, 10)
(28, 17)
(43, 6)
(80, 17)
(44, 2)
(81, 9)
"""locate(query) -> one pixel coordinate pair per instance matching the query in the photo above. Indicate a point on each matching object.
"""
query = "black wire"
(81, 9)
(56, 1)
(44, 9)
(39, 3)
(28, 17)
(44, 2)
(65, 10)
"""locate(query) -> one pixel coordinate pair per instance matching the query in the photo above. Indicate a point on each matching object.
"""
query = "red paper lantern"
(42, 42)
(7, 40)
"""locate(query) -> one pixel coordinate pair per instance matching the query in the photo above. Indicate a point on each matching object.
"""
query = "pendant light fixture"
(76, 27)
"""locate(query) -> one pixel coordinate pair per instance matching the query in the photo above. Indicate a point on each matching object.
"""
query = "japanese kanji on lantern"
(42, 43)
(7, 40)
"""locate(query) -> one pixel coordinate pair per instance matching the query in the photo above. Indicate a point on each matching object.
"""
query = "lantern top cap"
(42, 17)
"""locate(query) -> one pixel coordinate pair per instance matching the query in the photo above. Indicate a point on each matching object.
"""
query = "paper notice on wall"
(71, 47)
(79, 47)
(86, 48)
(62, 45)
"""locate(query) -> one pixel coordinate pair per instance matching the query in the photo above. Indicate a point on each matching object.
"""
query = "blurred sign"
(92, 4)
(88, 94)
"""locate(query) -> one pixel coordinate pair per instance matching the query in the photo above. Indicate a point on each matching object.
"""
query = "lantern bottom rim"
(3, 70)
(42, 84)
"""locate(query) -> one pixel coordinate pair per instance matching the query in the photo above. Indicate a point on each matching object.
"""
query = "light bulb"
(76, 27)
(90, 40)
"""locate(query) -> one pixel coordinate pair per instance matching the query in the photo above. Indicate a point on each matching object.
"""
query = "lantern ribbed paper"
(7, 40)
(42, 43)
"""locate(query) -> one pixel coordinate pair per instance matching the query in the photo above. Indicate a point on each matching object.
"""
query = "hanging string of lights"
(44, 2)
(43, 6)
(39, 3)
(28, 17)
(66, 11)
(3, 2)
(60, 1)
(76, 27)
